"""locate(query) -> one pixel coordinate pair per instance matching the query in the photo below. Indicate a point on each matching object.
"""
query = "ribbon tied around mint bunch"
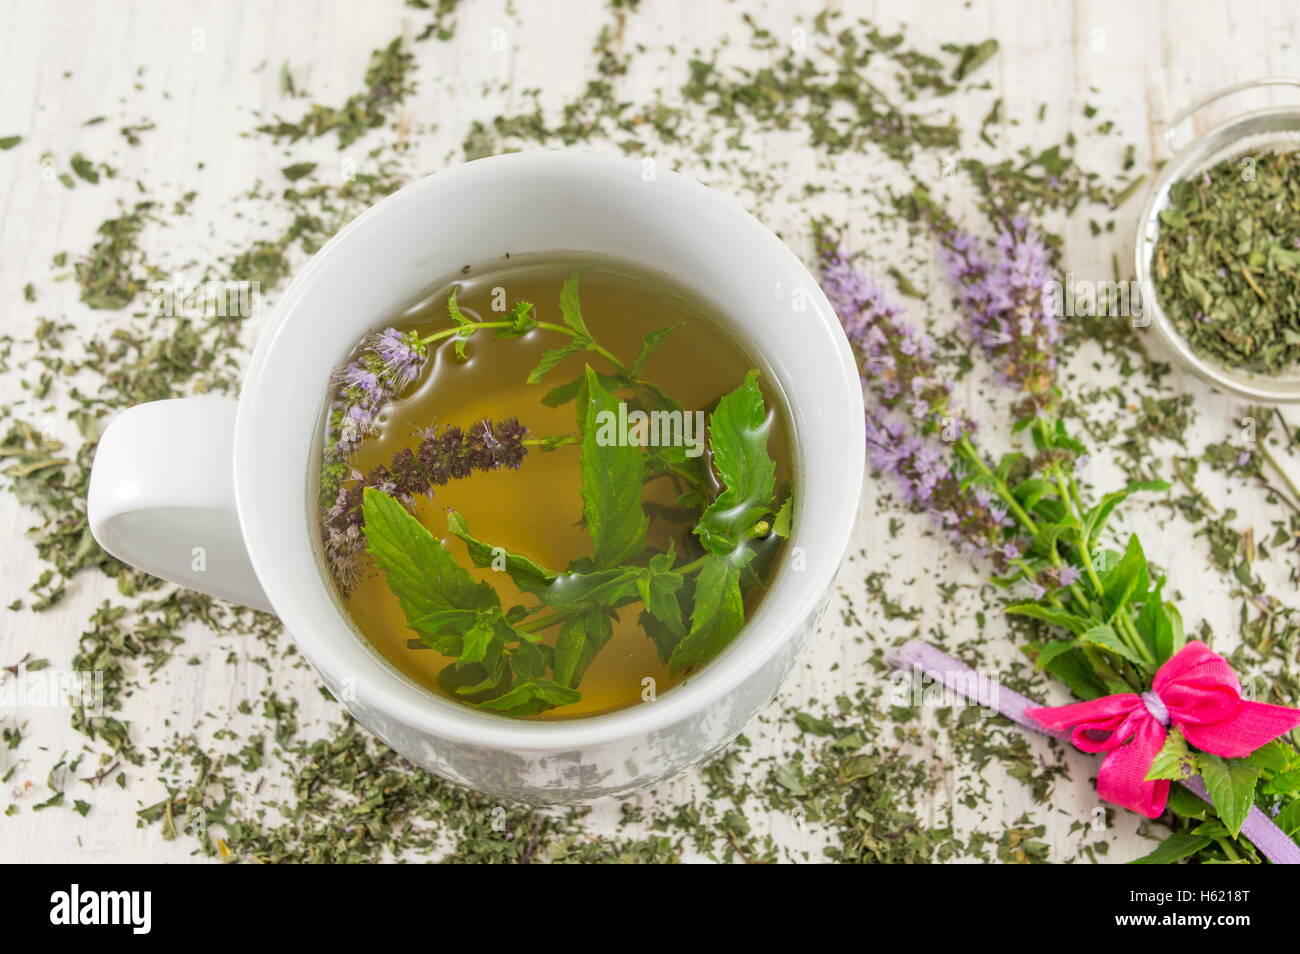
(1196, 691)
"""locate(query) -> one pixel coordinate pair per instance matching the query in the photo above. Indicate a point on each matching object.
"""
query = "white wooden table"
(205, 68)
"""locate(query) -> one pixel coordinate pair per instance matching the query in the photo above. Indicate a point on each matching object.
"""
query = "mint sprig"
(691, 610)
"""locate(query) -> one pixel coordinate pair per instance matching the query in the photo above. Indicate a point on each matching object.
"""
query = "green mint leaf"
(658, 587)
(661, 635)
(738, 430)
(1173, 761)
(1030, 492)
(476, 682)
(612, 476)
(1160, 625)
(1108, 639)
(1176, 847)
(664, 606)
(1152, 623)
(652, 398)
(1009, 462)
(570, 310)
(781, 523)
(1168, 644)
(455, 621)
(649, 346)
(1285, 783)
(521, 321)
(532, 696)
(1231, 784)
(1182, 802)
(1104, 561)
(581, 637)
(1044, 653)
(1128, 578)
(550, 359)
(1046, 537)
(1074, 670)
(528, 575)
(1097, 516)
(717, 616)
(420, 571)
(559, 396)
(663, 562)
(1056, 617)
(563, 394)
(462, 320)
(529, 660)
(1288, 819)
(444, 630)
(454, 312)
(574, 592)
(480, 681)
(475, 644)
(1276, 756)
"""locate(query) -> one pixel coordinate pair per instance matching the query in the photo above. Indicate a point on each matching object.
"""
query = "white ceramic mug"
(233, 479)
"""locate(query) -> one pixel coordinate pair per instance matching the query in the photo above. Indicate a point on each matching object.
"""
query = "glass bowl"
(1250, 133)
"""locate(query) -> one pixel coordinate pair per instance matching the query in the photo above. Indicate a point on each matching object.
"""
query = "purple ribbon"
(919, 656)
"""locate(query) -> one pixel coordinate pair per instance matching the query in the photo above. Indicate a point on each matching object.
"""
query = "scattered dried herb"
(387, 84)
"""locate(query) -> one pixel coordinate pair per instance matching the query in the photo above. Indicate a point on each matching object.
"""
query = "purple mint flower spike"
(895, 358)
(402, 356)
(897, 366)
(386, 363)
(1000, 289)
(926, 481)
(440, 457)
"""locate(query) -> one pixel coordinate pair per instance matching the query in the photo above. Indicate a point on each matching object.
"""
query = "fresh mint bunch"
(1106, 626)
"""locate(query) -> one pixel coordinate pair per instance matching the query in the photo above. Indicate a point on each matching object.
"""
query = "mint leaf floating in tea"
(612, 475)
(571, 308)
(582, 636)
(532, 696)
(718, 615)
(658, 588)
(649, 345)
(451, 611)
(675, 552)
(738, 438)
(528, 575)
(421, 571)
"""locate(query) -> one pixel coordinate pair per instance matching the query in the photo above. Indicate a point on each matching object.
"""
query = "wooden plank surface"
(204, 71)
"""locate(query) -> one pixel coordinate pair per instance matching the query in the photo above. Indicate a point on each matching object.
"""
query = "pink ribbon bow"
(1195, 690)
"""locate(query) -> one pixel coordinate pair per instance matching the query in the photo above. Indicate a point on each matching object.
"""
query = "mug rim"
(315, 629)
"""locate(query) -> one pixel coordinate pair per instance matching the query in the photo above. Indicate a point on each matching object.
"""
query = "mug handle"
(162, 497)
